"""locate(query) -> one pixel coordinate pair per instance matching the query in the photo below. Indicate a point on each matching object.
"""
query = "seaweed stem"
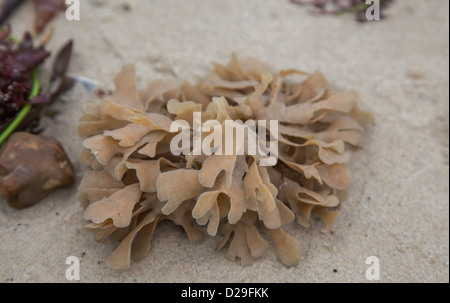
(23, 112)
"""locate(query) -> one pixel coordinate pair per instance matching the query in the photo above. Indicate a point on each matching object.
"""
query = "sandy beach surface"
(398, 206)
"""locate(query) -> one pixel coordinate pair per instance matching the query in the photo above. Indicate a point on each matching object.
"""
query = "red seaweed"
(17, 62)
(45, 11)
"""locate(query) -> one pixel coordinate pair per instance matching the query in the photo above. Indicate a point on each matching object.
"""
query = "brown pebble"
(31, 167)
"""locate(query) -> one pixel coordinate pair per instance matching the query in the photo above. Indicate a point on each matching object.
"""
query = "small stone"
(31, 167)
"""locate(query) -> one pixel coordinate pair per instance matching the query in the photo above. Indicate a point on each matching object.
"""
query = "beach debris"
(17, 63)
(45, 11)
(22, 99)
(31, 167)
(137, 181)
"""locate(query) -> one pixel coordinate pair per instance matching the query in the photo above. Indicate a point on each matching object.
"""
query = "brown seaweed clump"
(136, 182)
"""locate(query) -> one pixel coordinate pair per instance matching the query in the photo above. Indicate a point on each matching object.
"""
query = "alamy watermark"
(73, 10)
(373, 11)
(373, 271)
(252, 138)
(73, 271)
